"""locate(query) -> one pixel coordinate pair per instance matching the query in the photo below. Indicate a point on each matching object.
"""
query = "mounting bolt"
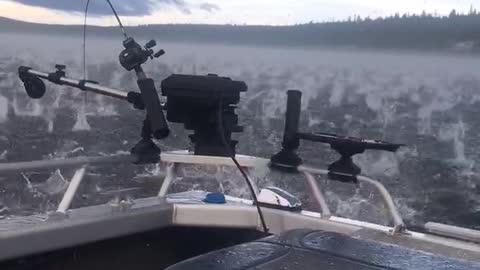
(60, 67)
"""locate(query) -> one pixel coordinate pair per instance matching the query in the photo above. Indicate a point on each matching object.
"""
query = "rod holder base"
(146, 152)
(57, 216)
(344, 170)
(286, 160)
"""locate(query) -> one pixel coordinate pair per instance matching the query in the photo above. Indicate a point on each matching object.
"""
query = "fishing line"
(118, 19)
(84, 62)
(85, 41)
(85, 33)
(221, 132)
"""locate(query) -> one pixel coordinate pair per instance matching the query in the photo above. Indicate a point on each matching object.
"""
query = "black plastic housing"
(197, 101)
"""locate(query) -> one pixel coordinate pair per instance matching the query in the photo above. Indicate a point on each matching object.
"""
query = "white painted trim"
(215, 216)
(189, 158)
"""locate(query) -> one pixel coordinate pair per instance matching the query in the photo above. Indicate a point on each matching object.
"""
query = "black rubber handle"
(292, 119)
(287, 159)
(158, 123)
(34, 86)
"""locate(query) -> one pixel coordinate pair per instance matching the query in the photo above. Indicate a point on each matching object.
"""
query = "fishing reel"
(134, 55)
(344, 169)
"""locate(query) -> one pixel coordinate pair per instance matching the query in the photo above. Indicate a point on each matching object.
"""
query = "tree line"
(416, 32)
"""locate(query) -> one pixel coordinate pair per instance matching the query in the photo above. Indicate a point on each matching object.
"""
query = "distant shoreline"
(456, 34)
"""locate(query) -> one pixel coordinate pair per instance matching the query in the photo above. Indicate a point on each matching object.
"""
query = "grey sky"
(125, 7)
(275, 12)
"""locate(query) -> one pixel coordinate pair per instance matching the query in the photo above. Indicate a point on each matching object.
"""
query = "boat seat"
(319, 250)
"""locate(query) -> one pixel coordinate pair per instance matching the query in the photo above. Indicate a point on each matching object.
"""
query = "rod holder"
(344, 169)
(287, 159)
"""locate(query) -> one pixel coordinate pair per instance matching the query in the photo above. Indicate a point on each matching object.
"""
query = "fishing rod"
(204, 104)
(189, 98)
(118, 19)
(132, 57)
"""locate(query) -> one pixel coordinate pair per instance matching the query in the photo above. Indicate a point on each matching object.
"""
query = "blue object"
(215, 197)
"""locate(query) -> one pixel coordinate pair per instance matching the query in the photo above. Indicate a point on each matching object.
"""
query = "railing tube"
(71, 190)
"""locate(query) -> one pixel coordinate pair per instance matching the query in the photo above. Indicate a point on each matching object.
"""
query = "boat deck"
(304, 249)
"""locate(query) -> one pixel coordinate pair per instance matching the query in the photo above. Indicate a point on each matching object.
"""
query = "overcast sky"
(274, 12)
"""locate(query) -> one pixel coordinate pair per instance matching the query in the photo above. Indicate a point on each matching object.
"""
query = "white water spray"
(3, 109)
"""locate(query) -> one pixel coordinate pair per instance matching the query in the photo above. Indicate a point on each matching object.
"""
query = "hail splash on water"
(383, 96)
(3, 109)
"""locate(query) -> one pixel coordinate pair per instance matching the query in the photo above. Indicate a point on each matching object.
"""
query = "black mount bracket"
(344, 169)
(155, 125)
(58, 74)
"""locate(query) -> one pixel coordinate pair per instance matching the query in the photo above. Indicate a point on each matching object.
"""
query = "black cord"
(221, 132)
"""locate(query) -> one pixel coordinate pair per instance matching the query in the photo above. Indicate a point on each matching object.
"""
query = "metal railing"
(399, 225)
(19, 167)
(176, 159)
(71, 191)
(317, 193)
(81, 163)
(453, 231)
(172, 159)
